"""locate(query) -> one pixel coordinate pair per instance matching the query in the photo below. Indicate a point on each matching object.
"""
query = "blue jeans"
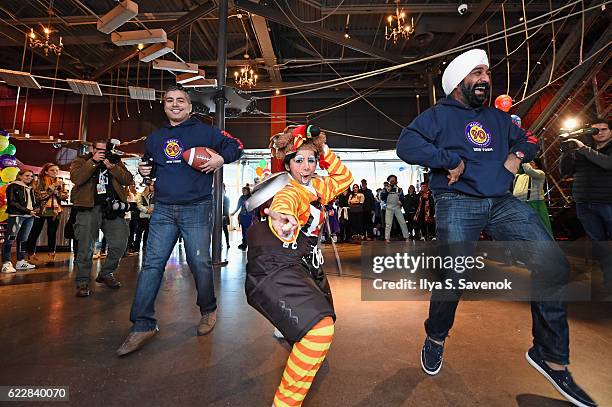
(596, 219)
(194, 224)
(17, 229)
(461, 218)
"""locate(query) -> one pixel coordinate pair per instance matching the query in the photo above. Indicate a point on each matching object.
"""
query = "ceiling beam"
(425, 8)
(262, 35)
(569, 45)
(316, 30)
(198, 12)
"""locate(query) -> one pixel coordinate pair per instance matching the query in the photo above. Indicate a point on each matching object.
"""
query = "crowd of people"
(468, 192)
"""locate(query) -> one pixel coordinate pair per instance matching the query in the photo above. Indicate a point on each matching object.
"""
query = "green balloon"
(263, 163)
(4, 142)
(10, 150)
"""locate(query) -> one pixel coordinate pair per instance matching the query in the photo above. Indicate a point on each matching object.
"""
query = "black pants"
(133, 232)
(367, 223)
(142, 234)
(52, 224)
(226, 229)
(356, 219)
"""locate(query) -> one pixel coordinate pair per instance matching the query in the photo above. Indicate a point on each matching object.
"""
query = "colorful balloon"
(259, 171)
(9, 174)
(263, 163)
(7, 161)
(9, 150)
(503, 102)
(3, 216)
(4, 142)
(516, 120)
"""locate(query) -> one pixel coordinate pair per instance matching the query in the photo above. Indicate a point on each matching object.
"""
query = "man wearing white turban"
(474, 152)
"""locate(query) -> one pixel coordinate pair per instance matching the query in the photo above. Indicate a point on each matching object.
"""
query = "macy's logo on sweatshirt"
(478, 136)
(173, 149)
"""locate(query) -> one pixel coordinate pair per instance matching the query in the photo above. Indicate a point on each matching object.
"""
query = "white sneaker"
(278, 334)
(24, 265)
(8, 268)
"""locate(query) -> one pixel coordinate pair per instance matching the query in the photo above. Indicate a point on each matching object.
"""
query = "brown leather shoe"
(83, 290)
(109, 280)
(207, 322)
(135, 341)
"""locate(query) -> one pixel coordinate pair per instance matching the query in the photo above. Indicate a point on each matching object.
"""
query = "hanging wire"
(490, 56)
(506, 43)
(528, 50)
(582, 35)
(336, 72)
(137, 81)
(483, 41)
(52, 96)
(189, 45)
(554, 45)
(110, 103)
(25, 105)
(25, 49)
(117, 100)
(313, 21)
(127, 74)
(149, 84)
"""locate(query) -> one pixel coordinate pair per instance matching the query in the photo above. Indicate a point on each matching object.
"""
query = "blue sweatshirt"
(176, 182)
(483, 137)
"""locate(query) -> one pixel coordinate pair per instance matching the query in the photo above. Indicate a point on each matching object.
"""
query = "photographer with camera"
(591, 168)
(100, 196)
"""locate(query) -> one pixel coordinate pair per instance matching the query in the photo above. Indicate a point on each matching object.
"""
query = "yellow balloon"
(4, 142)
(9, 174)
(3, 216)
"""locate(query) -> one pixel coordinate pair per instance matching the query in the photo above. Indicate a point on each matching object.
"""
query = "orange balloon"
(259, 171)
(503, 102)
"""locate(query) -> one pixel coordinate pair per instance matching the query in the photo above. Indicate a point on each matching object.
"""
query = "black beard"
(470, 96)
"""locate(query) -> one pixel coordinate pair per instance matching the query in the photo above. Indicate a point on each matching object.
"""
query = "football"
(197, 156)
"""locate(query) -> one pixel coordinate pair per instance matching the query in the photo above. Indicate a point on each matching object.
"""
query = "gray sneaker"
(207, 322)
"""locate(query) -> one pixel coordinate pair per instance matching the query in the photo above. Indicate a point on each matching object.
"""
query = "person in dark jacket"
(410, 204)
(368, 209)
(183, 204)
(474, 153)
(99, 188)
(20, 201)
(245, 218)
(591, 168)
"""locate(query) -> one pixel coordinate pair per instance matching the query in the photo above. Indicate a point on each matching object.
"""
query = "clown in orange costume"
(285, 282)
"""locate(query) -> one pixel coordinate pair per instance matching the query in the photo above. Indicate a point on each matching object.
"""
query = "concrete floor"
(50, 337)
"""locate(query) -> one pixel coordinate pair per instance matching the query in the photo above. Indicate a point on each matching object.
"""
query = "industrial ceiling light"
(82, 87)
(139, 93)
(396, 27)
(190, 77)
(175, 66)
(155, 51)
(149, 36)
(18, 78)
(118, 16)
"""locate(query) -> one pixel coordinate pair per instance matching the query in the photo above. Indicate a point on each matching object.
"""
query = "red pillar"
(278, 108)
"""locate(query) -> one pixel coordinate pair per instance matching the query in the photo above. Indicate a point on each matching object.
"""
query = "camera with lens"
(112, 154)
(114, 208)
(585, 135)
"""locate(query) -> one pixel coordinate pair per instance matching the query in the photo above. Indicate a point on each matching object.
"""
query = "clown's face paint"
(302, 166)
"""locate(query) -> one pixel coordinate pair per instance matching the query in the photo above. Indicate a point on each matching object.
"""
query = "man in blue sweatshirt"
(474, 153)
(183, 205)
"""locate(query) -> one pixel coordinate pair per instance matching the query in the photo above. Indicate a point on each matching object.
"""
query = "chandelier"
(246, 77)
(400, 29)
(45, 43)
